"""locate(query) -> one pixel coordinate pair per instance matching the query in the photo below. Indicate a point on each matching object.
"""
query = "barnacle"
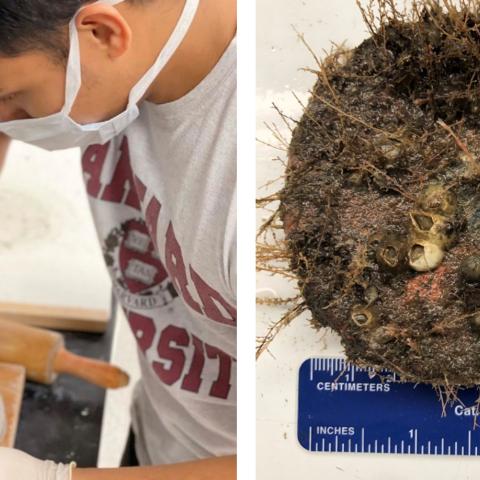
(437, 229)
(424, 256)
(470, 268)
(390, 150)
(371, 294)
(363, 316)
(381, 336)
(438, 199)
(391, 252)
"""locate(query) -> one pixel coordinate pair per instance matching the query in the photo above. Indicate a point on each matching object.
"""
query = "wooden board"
(57, 318)
(12, 384)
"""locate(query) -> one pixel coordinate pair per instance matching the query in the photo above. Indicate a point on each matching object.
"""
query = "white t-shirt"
(163, 197)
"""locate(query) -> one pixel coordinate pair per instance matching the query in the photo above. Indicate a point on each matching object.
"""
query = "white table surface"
(49, 251)
(279, 456)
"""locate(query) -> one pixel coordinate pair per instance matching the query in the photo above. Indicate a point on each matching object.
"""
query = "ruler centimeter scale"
(344, 408)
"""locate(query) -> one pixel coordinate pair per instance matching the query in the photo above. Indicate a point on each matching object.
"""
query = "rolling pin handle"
(96, 372)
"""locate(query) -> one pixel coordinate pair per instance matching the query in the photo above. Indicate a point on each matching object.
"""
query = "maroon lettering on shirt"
(213, 302)
(93, 161)
(122, 186)
(152, 215)
(171, 365)
(168, 348)
(176, 268)
(141, 188)
(193, 379)
(143, 328)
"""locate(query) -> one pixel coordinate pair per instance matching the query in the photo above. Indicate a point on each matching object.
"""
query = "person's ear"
(106, 28)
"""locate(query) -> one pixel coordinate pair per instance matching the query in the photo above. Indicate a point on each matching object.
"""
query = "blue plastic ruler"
(343, 408)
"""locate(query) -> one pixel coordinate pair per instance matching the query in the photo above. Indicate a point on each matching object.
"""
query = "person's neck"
(210, 34)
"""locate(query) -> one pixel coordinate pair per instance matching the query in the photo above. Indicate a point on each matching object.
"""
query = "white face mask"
(60, 131)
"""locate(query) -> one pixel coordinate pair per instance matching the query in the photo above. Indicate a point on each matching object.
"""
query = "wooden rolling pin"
(43, 354)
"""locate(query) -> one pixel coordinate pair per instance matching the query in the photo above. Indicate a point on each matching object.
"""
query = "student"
(161, 181)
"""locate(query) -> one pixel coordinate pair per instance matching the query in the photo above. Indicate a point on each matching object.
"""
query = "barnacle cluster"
(432, 230)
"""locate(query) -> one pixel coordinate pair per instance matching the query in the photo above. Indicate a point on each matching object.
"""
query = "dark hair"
(37, 25)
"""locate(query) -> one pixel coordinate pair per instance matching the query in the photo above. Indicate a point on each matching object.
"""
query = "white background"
(280, 55)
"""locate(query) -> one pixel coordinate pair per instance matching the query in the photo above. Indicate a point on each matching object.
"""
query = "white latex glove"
(16, 465)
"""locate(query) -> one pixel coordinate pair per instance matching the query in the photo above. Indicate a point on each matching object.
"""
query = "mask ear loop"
(176, 38)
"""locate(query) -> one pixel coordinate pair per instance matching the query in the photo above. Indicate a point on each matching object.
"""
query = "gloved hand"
(16, 465)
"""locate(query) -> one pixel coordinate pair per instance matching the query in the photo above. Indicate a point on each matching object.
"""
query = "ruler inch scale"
(343, 408)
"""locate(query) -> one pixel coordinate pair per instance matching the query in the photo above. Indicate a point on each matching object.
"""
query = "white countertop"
(49, 251)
